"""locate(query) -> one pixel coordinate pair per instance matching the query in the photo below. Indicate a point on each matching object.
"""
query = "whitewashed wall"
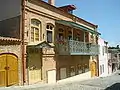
(103, 59)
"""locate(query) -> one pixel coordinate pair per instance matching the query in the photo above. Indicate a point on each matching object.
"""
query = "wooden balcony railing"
(73, 47)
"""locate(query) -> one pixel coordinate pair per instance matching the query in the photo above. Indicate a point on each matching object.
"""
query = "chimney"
(51, 2)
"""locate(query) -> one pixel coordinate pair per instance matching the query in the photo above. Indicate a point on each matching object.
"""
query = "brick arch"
(9, 54)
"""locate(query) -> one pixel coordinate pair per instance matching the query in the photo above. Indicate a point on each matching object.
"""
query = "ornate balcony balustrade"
(73, 47)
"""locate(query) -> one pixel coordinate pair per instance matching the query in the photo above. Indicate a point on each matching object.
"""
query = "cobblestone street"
(107, 83)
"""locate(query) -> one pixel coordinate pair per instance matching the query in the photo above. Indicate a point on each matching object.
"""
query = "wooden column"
(84, 36)
(72, 39)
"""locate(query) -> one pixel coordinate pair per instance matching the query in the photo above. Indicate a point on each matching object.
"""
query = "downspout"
(98, 53)
(23, 43)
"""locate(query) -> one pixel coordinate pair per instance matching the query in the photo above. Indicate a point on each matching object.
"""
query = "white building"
(103, 58)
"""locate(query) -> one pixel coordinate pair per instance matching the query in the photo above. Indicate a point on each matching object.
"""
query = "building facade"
(56, 44)
(103, 58)
(113, 59)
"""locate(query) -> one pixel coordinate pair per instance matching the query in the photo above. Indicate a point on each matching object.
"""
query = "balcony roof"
(78, 26)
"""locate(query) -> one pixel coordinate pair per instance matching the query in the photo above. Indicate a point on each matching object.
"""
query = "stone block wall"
(15, 49)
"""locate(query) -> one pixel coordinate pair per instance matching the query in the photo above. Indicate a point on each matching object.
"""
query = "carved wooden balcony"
(73, 47)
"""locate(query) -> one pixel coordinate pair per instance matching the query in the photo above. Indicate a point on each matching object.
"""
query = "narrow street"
(107, 83)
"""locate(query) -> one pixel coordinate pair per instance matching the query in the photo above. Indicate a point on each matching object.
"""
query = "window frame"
(49, 29)
(35, 27)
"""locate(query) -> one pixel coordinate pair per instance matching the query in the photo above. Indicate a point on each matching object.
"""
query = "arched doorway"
(8, 69)
(93, 68)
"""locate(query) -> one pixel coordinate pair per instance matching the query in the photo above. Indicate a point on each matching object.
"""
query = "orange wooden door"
(2, 70)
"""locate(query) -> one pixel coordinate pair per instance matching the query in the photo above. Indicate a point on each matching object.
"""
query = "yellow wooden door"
(8, 70)
(93, 69)
(12, 72)
(2, 70)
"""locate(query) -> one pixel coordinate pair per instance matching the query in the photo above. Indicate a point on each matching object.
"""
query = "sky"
(104, 13)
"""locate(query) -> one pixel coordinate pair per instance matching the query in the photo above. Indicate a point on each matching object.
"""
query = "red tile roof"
(9, 39)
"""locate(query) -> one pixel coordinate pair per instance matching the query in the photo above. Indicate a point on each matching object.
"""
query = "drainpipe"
(98, 54)
(23, 43)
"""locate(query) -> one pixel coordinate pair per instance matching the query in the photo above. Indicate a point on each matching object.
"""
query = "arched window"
(35, 30)
(49, 29)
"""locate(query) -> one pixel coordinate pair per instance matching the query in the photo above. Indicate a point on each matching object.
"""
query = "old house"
(56, 44)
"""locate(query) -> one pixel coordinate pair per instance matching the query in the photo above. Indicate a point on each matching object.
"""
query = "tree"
(117, 47)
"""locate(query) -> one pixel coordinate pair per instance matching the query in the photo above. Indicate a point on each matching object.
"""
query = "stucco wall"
(10, 15)
(9, 9)
(10, 27)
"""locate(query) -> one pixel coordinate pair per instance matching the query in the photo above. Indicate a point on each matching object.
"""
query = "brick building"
(55, 43)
